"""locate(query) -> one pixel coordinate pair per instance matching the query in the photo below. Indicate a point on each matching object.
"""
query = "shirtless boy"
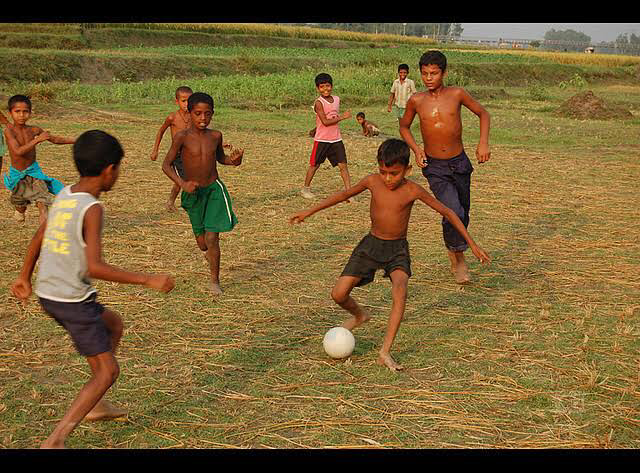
(25, 179)
(368, 128)
(443, 160)
(176, 121)
(3, 149)
(204, 196)
(386, 246)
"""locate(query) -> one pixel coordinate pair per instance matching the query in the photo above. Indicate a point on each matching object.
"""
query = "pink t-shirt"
(331, 133)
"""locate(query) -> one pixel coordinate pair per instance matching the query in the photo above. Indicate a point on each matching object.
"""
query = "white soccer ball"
(338, 342)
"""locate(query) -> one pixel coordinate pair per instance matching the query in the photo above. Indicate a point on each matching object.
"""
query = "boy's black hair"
(183, 89)
(433, 57)
(403, 67)
(323, 78)
(18, 99)
(394, 151)
(199, 97)
(360, 114)
(94, 150)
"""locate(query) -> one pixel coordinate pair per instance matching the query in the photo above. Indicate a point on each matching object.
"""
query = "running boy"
(25, 179)
(176, 121)
(3, 149)
(327, 141)
(385, 247)
(368, 128)
(401, 89)
(70, 250)
(204, 196)
(443, 160)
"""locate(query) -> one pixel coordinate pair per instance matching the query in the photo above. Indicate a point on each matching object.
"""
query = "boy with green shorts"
(204, 196)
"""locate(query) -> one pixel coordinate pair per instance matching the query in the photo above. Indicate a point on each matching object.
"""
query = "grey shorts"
(372, 254)
(83, 321)
(30, 190)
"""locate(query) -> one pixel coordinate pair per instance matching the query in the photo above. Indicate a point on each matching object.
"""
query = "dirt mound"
(587, 106)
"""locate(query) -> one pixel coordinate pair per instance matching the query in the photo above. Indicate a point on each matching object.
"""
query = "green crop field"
(540, 351)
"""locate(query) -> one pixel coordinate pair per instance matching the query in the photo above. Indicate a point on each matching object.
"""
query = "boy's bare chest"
(24, 135)
(204, 146)
(441, 110)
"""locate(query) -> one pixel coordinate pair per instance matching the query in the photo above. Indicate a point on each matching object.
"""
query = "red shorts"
(322, 151)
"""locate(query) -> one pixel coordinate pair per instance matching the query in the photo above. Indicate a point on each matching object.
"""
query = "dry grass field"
(540, 351)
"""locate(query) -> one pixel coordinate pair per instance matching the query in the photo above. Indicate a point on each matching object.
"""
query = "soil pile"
(587, 106)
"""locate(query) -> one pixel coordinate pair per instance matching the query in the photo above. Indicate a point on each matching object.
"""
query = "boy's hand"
(21, 288)
(227, 145)
(346, 115)
(236, 156)
(154, 156)
(482, 255)
(190, 186)
(421, 158)
(482, 153)
(44, 136)
(299, 217)
(160, 282)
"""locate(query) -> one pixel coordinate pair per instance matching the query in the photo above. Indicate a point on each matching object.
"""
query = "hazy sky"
(597, 31)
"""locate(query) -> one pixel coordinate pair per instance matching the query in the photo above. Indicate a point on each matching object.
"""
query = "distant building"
(590, 50)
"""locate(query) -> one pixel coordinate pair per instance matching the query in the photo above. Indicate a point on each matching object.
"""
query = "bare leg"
(306, 189)
(104, 410)
(346, 179)
(341, 294)
(19, 213)
(213, 256)
(42, 212)
(105, 370)
(399, 281)
(173, 195)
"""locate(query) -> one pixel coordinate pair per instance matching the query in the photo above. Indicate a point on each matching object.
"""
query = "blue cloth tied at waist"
(14, 176)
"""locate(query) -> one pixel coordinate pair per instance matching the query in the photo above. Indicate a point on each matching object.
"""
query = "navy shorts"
(373, 253)
(322, 151)
(83, 321)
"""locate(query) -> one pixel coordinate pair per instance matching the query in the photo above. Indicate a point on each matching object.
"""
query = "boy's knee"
(202, 244)
(211, 239)
(338, 295)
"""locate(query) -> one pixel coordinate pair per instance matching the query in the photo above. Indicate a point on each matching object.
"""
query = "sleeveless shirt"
(331, 133)
(63, 273)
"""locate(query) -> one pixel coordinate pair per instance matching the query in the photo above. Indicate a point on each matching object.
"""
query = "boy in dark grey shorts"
(68, 245)
(386, 247)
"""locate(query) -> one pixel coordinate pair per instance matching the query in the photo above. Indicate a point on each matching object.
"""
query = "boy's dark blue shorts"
(83, 321)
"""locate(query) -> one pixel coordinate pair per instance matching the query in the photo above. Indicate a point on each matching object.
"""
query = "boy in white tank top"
(327, 140)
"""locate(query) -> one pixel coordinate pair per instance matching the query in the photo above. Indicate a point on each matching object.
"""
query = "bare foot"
(385, 360)
(452, 259)
(104, 410)
(462, 273)
(216, 289)
(356, 320)
(48, 444)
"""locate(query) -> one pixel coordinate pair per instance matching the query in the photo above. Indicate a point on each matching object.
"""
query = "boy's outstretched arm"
(16, 149)
(333, 199)
(450, 215)
(482, 151)
(159, 135)
(98, 269)
(405, 132)
(21, 287)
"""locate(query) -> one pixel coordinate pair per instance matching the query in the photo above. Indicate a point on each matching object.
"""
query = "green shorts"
(397, 111)
(209, 209)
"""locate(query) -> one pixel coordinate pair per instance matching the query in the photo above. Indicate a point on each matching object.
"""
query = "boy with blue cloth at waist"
(25, 179)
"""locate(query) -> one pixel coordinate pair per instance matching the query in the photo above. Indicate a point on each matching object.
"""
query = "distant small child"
(69, 248)
(442, 158)
(327, 140)
(386, 246)
(369, 128)
(204, 195)
(25, 179)
(176, 121)
(401, 89)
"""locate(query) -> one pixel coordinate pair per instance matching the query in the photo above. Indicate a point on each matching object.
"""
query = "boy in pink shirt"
(327, 140)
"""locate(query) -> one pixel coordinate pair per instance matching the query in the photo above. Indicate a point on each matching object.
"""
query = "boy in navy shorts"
(68, 244)
(327, 140)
